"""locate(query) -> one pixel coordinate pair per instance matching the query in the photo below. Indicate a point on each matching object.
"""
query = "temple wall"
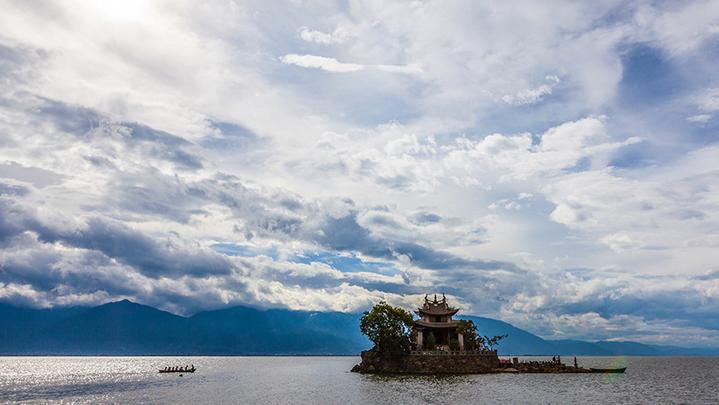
(429, 364)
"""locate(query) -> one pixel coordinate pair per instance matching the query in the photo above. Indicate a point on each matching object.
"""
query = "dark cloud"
(346, 234)
(424, 218)
(13, 190)
(150, 256)
(683, 305)
(708, 276)
(90, 124)
(14, 62)
(68, 118)
(383, 220)
(13, 221)
(155, 194)
(163, 145)
(226, 135)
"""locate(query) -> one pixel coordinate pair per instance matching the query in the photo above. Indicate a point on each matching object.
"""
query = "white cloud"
(709, 100)
(320, 62)
(700, 118)
(333, 65)
(338, 36)
(532, 96)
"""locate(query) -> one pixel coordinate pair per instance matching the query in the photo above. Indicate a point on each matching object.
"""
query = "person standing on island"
(575, 362)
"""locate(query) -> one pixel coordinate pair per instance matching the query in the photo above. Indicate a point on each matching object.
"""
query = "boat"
(177, 370)
(607, 370)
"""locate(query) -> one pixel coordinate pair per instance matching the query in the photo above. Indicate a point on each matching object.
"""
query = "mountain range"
(127, 328)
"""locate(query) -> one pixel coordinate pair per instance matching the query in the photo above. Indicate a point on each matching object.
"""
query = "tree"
(493, 341)
(473, 341)
(388, 328)
(468, 329)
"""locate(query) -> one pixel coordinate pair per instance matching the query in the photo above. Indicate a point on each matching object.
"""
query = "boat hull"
(608, 370)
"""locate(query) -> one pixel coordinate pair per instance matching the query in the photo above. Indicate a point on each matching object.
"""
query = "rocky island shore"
(374, 362)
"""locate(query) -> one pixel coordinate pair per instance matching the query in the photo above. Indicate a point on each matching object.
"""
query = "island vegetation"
(390, 329)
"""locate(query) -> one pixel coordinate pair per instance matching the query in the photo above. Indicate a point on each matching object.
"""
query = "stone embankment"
(428, 363)
(456, 363)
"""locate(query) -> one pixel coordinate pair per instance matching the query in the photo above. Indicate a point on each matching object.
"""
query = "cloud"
(333, 65)
(709, 100)
(320, 62)
(127, 161)
(346, 234)
(38, 177)
(338, 36)
(700, 118)
(425, 218)
(532, 96)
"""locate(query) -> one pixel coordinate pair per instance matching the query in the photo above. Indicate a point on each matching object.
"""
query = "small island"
(438, 344)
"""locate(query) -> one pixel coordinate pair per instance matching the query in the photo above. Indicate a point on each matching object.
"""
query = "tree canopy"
(388, 327)
(474, 341)
(490, 342)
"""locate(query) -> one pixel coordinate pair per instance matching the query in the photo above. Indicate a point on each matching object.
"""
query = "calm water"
(326, 380)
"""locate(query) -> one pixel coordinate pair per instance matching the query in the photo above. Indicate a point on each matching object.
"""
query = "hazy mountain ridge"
(125, 328)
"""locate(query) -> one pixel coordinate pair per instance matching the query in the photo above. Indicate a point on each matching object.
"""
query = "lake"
(327, 380)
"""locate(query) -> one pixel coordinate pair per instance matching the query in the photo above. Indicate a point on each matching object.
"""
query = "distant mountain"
(518, 342)
(579, 348)
(125, 328)
(120, 328)
(641, 349)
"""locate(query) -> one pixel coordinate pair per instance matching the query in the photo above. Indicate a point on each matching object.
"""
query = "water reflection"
(320, 380)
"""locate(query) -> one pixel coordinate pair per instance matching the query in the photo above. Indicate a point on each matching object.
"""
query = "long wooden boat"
(607, 370)
(171, 370)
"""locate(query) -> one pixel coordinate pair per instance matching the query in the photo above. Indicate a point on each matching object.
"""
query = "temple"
(438, 347)
(436, 324)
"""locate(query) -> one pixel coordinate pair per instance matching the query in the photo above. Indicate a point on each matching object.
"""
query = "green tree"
(468, 329)
(493, 341)
(388, 327)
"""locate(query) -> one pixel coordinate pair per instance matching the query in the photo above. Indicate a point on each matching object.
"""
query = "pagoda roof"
(437, 311)
(436, 307)
(450, 324)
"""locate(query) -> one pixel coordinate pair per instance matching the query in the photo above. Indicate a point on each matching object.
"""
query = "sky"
(551, 164)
